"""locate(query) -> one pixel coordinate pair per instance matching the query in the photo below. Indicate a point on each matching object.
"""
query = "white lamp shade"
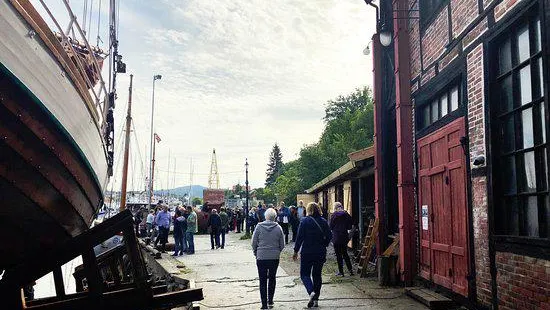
(385, 38)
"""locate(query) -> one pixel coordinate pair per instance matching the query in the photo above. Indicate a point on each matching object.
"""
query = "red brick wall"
(463, 13)
(523, 282)
(435, 38)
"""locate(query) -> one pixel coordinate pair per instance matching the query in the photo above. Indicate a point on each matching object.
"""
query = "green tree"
(266, 194)
(196, 201)
(275, 165)
(289, 183)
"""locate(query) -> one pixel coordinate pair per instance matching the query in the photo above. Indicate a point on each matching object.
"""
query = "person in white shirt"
(149, 222)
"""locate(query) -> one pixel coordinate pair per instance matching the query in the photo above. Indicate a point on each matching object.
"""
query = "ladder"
(366, 251)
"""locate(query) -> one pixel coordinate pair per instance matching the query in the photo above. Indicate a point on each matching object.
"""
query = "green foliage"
(196, 201)
(289, 183)
(349, 126)
(266, 194)
(275, 165)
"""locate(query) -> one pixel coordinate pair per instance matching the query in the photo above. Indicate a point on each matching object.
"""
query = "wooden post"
(126, 149)
(58, 280)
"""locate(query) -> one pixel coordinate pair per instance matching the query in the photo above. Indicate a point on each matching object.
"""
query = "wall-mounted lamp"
(385, 36)
(366, 51)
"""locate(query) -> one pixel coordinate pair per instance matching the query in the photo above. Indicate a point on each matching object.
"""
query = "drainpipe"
(379, 208)
(404, 123)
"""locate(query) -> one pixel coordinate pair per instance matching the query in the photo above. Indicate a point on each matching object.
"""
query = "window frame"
(444, 85)
(508, 30)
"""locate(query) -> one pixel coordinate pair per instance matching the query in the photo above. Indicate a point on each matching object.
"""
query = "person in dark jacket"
(225, 223)
(261, 212)
(340, 224)
(313, 238)
(267, 244)
(284, 219)
(215, 224)
(179, 232)
(252, 219)
(294, 222)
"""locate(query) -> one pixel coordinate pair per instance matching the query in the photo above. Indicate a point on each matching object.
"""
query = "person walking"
(261, 212)
(313, 238)
(284, 219)
(214, 224)
(240, 220)
(224, 224)
(149, 222)
(163, 222)
(301, 210)
(252, 219)
(340, 223)
(267, 244)
(191, 230)
(294, 222)
(179, 232)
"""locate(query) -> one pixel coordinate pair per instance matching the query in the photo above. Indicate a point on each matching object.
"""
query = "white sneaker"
(311, 300)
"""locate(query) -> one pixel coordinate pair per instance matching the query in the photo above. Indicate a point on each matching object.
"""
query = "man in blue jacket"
(313, 238)
(284, 219)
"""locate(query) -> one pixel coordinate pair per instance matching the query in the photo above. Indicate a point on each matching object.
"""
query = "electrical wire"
(194, 173)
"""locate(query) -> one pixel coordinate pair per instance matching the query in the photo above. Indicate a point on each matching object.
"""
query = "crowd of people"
(311, 232)
(185, 224)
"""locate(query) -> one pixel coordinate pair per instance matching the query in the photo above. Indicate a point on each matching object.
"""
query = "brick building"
(462, 122)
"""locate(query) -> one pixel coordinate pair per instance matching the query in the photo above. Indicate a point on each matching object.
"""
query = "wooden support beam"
(58, 280)
(29, 270)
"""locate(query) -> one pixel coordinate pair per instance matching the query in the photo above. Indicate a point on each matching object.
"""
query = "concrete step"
(430, 298)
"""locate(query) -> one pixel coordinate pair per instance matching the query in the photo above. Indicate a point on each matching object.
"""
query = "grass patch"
(245, 237)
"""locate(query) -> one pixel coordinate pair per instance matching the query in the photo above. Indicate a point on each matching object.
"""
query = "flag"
(157, 138)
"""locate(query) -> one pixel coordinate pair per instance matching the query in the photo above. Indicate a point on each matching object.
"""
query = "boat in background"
(56, 129)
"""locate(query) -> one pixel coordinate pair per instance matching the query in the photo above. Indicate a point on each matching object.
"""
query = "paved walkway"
(229, 280)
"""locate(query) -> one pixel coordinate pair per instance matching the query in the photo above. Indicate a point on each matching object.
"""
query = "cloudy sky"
(237, 76)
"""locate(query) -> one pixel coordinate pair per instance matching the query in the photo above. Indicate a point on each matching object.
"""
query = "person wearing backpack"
(313, 238)
(284, 219)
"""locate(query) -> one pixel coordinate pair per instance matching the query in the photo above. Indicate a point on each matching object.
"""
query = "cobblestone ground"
(229, 280)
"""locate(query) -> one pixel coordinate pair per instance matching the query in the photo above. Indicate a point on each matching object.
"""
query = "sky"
(237, 76)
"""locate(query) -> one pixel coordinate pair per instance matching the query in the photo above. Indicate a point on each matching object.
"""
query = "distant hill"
(196, 191)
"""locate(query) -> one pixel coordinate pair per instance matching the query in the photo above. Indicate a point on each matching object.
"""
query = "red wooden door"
(443, 208)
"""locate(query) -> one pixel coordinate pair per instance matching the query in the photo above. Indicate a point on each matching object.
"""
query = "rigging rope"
(90, 20)
(98, 24)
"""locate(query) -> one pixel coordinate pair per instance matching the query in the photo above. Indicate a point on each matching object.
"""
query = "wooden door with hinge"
(443, 212)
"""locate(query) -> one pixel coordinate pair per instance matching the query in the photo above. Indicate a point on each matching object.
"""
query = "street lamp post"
(150, 189)
(246, 206)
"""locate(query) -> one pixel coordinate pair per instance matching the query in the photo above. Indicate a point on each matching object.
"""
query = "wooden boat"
(54, 136)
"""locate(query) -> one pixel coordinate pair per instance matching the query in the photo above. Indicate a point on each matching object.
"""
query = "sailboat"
(56, 129)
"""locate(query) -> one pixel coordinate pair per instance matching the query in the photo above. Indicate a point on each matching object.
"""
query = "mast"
(168, 178)
(152, 189)
(191, 182)
(126, 149)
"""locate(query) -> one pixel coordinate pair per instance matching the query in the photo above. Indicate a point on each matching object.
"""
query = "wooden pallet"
(366, 251)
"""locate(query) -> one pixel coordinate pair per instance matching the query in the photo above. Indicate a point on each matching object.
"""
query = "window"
(428, 9)
(439, 107)
(520, 163)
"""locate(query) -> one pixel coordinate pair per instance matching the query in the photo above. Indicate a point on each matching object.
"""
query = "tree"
(289, 183)
(275, 165)
(196, 201)
(266, 194)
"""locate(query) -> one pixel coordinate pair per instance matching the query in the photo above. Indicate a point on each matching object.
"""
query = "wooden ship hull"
(53, 159)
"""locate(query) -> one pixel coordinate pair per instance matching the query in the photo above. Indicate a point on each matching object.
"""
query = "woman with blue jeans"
(267, 244)
(313, 238)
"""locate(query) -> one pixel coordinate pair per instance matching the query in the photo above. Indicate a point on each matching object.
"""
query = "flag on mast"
(157, 138)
